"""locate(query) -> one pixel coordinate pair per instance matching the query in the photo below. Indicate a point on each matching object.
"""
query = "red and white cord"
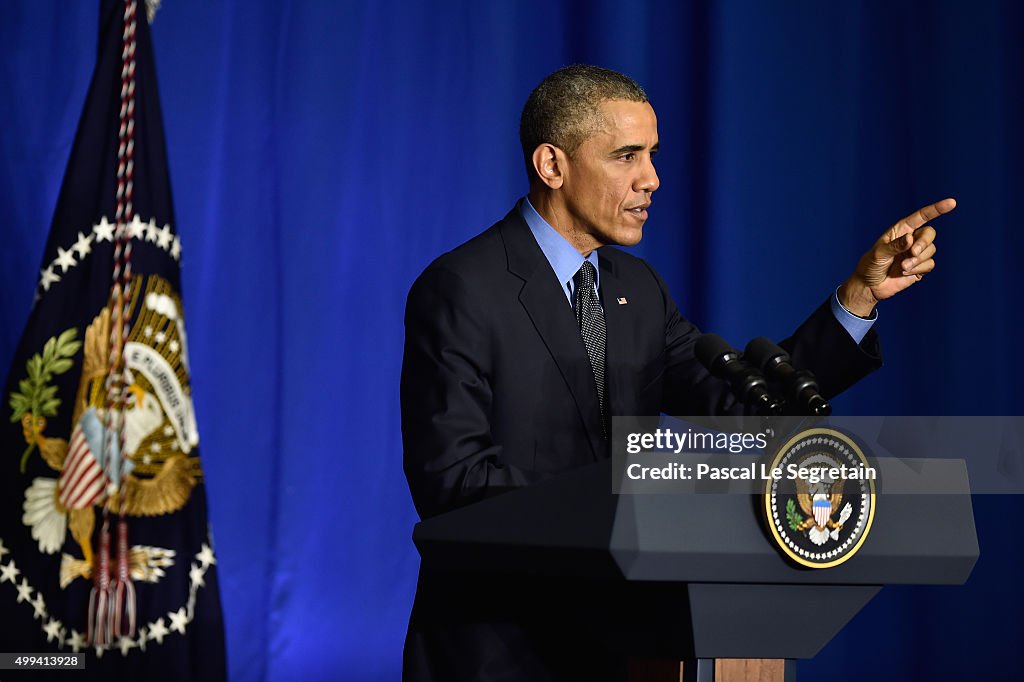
(112, 604)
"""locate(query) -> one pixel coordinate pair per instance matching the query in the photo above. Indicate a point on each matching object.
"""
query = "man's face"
(609, 181)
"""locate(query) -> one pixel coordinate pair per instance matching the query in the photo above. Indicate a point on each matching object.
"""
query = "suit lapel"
(619, 341)
(623, 304)
(546, 304)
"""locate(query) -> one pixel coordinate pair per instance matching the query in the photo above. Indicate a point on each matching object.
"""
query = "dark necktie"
(590, 318)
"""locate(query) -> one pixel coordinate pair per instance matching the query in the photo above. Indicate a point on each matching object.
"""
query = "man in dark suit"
(524, 341)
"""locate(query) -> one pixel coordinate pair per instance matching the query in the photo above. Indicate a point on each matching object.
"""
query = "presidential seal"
(820, 507)
(94, 473)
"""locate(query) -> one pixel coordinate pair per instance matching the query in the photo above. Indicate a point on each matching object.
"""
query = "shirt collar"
(565, 260)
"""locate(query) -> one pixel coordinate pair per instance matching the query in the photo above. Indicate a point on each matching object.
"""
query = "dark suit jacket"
(498, 392)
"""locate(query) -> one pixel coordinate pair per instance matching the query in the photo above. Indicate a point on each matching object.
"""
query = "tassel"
(98, 628)
(123, 593)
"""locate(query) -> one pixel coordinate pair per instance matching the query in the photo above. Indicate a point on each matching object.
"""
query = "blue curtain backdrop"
(322, 153)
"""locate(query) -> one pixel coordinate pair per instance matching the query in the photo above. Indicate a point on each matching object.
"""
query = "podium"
(691, 585)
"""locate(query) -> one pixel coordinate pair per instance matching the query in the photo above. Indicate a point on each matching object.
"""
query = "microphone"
(747, 383)
(801, 390)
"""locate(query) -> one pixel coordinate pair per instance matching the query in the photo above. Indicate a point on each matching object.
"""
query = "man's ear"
(549, 163)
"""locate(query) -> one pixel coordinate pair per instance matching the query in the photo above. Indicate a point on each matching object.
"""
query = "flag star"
(104, 230)
(83, 245)
(143, 637)
(195, 575)
(135, 228)
(77, 641)
(24, 591)
(3, 550)
(9, 572)
(152, 231)
(48, 277)
(176, 248)
(179, 619)
(164, 240)
(38, 606)
(158, 630)
(53, 630)
(65, 259)
(125, 644)
(205, 556)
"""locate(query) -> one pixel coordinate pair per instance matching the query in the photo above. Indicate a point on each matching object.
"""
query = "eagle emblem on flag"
(160, 432)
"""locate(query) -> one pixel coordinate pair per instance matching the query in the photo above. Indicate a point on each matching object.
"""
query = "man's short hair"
(564, 109)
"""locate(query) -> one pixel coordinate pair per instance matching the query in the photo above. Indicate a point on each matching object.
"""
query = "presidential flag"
(105, 547)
